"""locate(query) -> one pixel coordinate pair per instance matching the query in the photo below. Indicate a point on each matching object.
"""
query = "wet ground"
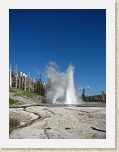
(93, 104)
(86, 104)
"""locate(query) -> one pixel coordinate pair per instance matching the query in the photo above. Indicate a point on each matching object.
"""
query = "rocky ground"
(31, 118)
(57, 122)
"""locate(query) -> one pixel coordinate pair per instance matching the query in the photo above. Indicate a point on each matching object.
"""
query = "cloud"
(23, 74)
(81, 88)
(88, 87)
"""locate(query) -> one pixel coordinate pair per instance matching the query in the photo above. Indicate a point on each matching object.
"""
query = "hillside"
(19, 97)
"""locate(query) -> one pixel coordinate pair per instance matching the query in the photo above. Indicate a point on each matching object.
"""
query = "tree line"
(95, 98)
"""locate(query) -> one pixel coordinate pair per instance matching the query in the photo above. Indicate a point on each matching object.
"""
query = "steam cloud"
(60, 88)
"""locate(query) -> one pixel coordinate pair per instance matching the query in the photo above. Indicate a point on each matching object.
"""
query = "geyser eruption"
(71, 96)
(61, 88)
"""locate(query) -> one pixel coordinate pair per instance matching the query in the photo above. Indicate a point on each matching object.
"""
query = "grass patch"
(12, 90)
(23, 93)
(28, 94)
(11, 101)
(17, 94)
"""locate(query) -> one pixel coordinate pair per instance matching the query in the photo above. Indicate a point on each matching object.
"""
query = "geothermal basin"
(58, 121)
(63, 115)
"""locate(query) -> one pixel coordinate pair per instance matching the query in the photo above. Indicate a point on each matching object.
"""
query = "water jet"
(60, 88)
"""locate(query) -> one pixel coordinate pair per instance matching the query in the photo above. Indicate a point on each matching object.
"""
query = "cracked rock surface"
(42, 122)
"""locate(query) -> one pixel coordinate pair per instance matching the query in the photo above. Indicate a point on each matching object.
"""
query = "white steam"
(60, 88)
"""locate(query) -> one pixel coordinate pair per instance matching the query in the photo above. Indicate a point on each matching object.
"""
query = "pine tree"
(83, 94)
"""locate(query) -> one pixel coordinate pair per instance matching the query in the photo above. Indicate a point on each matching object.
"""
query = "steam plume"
(60, 88)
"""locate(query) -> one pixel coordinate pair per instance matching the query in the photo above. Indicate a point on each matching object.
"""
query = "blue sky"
(38, 36)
